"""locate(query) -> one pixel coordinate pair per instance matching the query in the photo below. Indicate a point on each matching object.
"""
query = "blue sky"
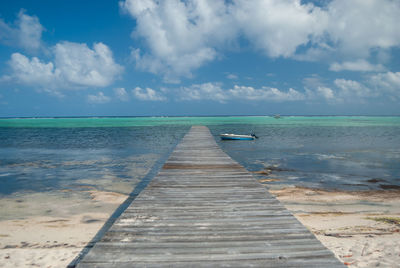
(239, 57)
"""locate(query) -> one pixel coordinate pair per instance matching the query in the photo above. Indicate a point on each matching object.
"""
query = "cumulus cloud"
(69, 65)
(206, 91)
(26, 32)
(316, 88)
(383, 85)
(386, 85)
(358, 26)
(265, 93)
(325, 92)
(279, 27)
(100, 98)
(121, 94)
(358, 65)
(387, 82)
(75, 66)
(340, 90)
(214, 91)
(148, 94)
(82, 66)
(349, 89)
(33, 71)
(181, 36)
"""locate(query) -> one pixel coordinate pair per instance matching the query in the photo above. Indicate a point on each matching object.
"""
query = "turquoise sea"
(115, 153)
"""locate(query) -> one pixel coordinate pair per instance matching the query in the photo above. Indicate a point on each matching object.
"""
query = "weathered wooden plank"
(230, 244)
(203, 209)
(152, 257)
(126, 237)
(144, 253)
(292, 263)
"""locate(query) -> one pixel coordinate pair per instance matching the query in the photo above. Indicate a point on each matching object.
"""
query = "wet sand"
(361, 228)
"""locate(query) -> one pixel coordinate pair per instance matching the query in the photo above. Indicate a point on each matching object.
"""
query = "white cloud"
(53, 92)
(358, 65)
(82, 66)
(26, 34)
(100, 98)
(349, 89)
(121, 94)
(148, 94)
(326, 93)
(232, 76)
(206, 91)
(71, 65)
(33, 71)
(346, 29)
(75, 66)
(316, 89)
(340, 91)
(265, 93)
(214, 91)
(184, 35)
(279, 27)
(358, 26)
(181, 36)
(387, 82)
(30, 31)
(355, 30)
(383, 85)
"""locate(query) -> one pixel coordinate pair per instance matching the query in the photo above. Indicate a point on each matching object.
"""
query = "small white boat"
(227, 136)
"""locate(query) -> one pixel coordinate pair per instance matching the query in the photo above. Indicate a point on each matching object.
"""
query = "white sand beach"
(345, 222)
(52, 241)
(361, 228)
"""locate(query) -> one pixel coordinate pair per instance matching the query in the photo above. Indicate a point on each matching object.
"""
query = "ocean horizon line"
(190, 116)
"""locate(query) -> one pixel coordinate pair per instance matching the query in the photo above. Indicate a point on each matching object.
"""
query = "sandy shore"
(52, 231)
(55, 227)
(361, 228)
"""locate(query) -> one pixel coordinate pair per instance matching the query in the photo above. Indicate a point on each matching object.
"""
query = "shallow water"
(107, 158)
(344, 157)
(114, 154)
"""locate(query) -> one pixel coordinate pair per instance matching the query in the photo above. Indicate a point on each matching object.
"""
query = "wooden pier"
(203, 209)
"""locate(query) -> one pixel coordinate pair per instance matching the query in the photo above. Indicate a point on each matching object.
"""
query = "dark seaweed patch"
(389, 187)
(375, 180)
